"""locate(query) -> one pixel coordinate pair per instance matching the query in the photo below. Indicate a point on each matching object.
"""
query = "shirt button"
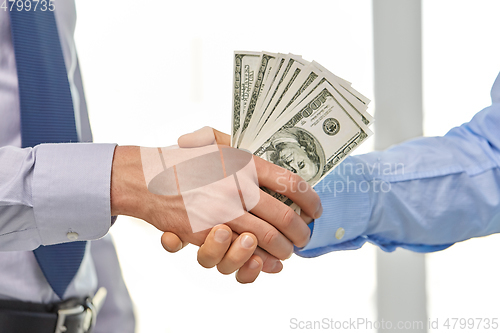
(339, 234)
(72, 236)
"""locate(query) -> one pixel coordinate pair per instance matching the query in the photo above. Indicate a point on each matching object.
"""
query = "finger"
(250, 270)
(216, 244)
(283, 218)
(202, 137)
(171, 242)
(199, 138)
(271, 263)
(222, 138)
(269, 238)
(290, 184)
(238, 254)
(307, 219)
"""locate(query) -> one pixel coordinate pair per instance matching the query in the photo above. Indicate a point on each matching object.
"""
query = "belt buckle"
(90, 308)
(63, 313)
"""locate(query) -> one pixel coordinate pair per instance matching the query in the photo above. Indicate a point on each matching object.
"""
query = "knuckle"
(270, 236)
(287, 218)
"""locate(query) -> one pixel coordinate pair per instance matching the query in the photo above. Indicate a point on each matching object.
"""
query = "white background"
(461, 62)
(155, 70)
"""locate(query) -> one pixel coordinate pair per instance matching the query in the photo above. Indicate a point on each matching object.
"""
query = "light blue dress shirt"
(423, 195)
(53, 189)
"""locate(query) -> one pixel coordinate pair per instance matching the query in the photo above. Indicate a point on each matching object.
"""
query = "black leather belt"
(74, 315)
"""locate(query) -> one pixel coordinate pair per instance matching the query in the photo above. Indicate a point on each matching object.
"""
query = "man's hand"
(130, 196)
(212, 253)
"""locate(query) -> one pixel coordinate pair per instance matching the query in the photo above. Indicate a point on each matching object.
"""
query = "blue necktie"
(47, 116)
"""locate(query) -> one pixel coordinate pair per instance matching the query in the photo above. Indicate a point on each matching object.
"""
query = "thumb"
(204, 137)
(222, 138)
(171, 242)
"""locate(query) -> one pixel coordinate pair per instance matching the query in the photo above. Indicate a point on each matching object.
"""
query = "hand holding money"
(295, 114)
(179, 191)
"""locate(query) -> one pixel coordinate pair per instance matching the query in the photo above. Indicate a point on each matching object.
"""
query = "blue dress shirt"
(423, 195)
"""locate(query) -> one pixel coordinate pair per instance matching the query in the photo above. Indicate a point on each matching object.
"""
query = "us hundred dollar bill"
(355, 104)
(290, 60)
(266, 62)
(320, 134)
(245, 65)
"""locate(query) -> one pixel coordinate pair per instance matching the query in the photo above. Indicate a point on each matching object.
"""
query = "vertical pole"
(397, 38)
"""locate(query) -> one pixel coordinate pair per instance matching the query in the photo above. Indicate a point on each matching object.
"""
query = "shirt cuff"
(346, 212)
(71, 191)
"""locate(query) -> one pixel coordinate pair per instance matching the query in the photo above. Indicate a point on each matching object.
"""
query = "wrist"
(347, 210)
(129, 195)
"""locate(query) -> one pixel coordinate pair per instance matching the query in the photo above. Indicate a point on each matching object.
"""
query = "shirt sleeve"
(423, 195)
(54, 193)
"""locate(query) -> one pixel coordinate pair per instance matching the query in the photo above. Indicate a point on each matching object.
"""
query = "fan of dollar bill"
(296, 114)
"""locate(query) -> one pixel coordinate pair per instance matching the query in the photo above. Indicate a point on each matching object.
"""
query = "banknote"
(357, 105)
(308, 80)
(245, 64)
(266, 61)
(296, 114)
(307, 76)
(273, 73)
(289, 62)
(343, 83)
(288, 79)
(321, 133)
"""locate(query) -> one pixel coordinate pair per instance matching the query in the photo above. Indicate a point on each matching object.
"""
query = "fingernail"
(221, 235)
(178, 247)
(254, 264)
(169, 249)
(247, 242)
(318, 213)
(278, 266)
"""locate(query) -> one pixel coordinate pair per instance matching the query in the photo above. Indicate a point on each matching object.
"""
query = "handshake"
(206, 193)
